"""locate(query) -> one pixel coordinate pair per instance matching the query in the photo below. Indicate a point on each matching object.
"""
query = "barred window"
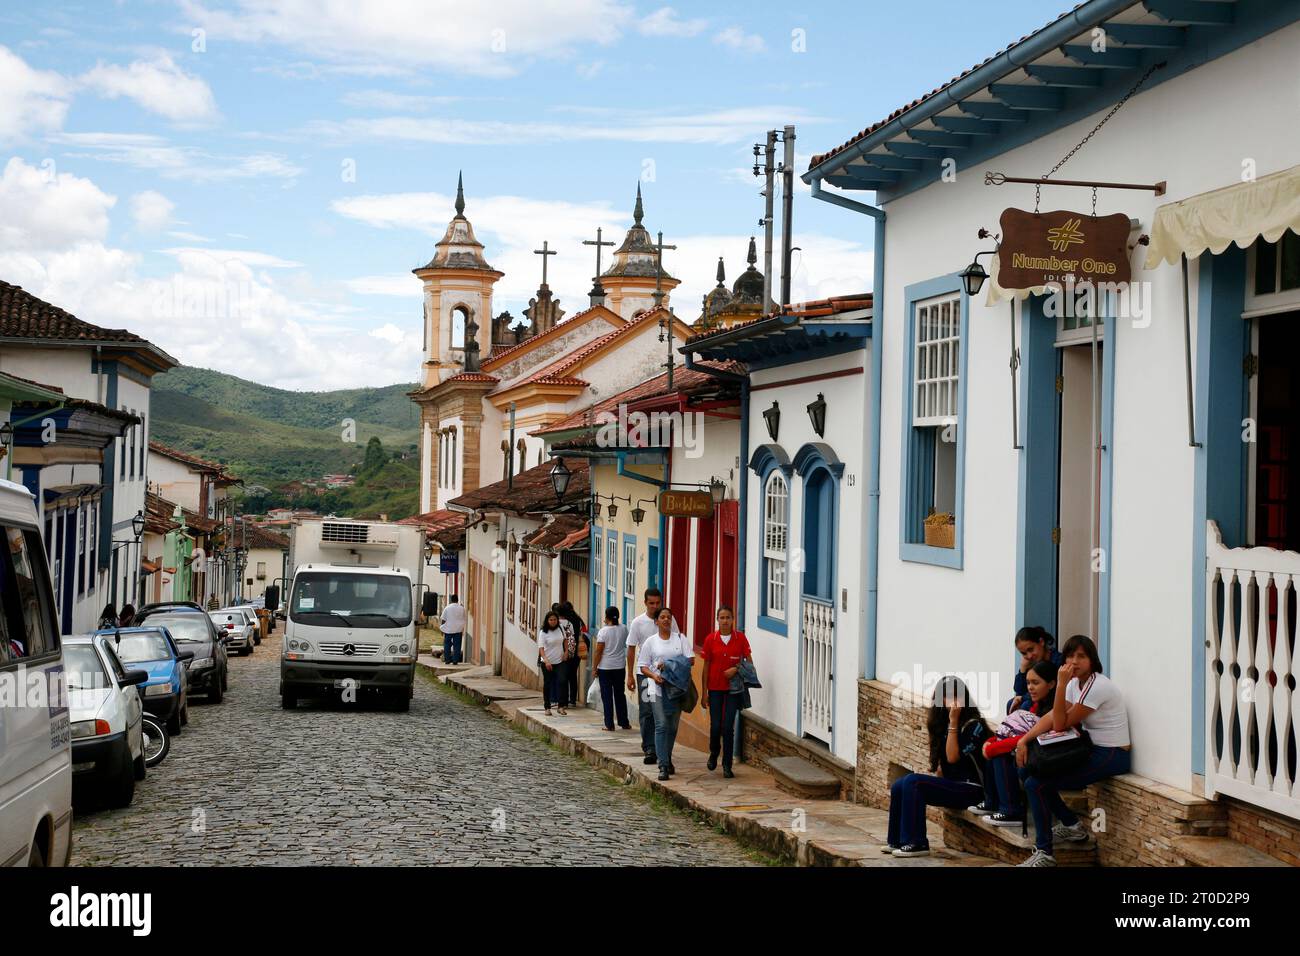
(776, 525)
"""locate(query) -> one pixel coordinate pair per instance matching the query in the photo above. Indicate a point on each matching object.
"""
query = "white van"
(35, 734)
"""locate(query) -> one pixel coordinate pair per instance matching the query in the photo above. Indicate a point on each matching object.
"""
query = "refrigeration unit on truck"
(350, 613)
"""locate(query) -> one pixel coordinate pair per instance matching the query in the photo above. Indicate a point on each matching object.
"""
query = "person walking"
(107, 617)
(723, 650)
(609, 662)
(582, 650)
(550, 650)
(665, 661)
(452, 624)
(639, 629)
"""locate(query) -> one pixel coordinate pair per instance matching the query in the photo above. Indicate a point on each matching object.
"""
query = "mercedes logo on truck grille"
(349, 649)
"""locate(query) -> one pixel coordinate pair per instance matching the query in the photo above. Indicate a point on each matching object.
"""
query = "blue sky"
(253, 197)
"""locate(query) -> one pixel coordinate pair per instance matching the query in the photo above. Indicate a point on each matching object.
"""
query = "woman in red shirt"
(723, 651)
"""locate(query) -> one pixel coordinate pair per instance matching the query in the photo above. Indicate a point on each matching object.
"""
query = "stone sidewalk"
(749, 807)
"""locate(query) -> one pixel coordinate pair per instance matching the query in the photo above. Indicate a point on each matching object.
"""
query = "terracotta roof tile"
(530, 492)
(496, 356)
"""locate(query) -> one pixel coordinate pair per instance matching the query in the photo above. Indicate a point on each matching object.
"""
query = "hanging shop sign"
(1039, 249)
(448, 562)
(686, 504)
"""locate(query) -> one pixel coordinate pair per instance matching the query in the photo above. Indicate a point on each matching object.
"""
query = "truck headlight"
(404, 648)
(392, 649)
(159, 690)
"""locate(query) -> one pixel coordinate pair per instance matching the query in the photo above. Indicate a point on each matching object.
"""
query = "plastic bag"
(593, 694)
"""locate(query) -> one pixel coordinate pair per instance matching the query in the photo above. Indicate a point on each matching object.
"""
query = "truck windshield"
(365, 600)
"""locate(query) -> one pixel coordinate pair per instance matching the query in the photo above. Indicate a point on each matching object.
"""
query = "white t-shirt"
(453, 619)
(1107, 725)
(614, 637)
(551, 645)
(642, 627)
(653, 651)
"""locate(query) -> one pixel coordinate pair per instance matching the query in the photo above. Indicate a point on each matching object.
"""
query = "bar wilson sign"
(686, 504)
(1042, 248)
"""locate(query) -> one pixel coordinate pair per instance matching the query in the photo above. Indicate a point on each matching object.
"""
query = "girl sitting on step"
(1003, 805)
(957, 734)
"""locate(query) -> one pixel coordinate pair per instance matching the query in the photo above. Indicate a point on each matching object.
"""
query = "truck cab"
(350, 613)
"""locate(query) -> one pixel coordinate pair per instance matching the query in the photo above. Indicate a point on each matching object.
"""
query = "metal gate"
(817, 650)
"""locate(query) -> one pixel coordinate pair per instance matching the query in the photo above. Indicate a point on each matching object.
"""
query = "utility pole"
(769, 172)
(787, 211)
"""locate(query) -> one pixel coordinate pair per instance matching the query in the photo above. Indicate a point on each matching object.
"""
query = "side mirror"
(135, 678)
(185, 656)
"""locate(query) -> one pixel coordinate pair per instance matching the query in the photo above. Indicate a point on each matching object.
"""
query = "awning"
(1239, 214)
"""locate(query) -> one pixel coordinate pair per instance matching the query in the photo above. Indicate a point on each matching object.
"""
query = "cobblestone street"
(249, 783)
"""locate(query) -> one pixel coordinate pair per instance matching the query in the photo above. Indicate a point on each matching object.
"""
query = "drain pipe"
(871, 431)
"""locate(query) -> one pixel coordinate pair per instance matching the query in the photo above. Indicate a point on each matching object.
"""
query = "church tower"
(457, 300)
(630, 282)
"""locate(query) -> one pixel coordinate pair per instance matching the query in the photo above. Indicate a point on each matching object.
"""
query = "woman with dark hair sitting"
(1034, 644)
(1002, 801)
(1085, 698)
(957, 733)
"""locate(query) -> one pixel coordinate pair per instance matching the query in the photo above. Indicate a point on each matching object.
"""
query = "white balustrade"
(818, 651)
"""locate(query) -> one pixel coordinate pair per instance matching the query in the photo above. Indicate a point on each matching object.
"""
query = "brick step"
(797, 776)
(1220, 851)
(963, 830)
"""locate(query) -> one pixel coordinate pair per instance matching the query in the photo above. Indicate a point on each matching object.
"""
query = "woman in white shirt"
(550, 650)
(611, 659)
(1088, 698)
(652, 655)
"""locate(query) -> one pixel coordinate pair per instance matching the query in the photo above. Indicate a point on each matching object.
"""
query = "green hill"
(270, 436)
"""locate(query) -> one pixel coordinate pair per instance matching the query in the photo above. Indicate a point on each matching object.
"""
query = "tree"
(375, 456)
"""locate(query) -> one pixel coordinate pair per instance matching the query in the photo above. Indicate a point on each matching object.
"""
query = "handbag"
(1061, 754)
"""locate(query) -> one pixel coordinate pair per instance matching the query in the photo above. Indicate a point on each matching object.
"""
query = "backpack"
(1017, 723)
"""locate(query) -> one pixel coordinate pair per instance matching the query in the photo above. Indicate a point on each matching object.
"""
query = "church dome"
(748, 288)
(637, 256)
(459, 248)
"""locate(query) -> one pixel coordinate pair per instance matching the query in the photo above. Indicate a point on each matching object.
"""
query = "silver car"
(239, 634)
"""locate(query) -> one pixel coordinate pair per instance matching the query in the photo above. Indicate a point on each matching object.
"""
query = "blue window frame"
(772, 466)
(651, 565)
(628, 585)
(934, 416)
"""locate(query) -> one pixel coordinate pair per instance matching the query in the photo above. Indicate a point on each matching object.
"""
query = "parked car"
(240, 635)
(193, 630)
(105, 711)
(35, 743)
(250, 612)
(165, 694)
(144, 611)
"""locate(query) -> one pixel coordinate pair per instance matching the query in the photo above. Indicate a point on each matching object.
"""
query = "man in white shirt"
(452, 625)
(641, 628)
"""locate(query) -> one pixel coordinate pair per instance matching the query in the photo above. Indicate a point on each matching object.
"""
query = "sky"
(249, 184)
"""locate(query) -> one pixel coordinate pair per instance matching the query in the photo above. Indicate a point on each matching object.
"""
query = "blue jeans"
(555, 685)
(1045, 795)
(1002, 786)
(612, 697)
(667, 715)
(722, 724)
(646, 716)
(451, 647)
(910, 795)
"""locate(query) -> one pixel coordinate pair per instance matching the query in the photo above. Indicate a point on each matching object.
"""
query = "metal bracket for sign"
(997, 179)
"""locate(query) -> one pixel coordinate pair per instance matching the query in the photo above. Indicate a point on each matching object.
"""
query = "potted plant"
(940, 529)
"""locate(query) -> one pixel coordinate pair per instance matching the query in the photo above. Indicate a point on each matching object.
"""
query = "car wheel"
(218, 690)
(225, 679)
(37, 857)
(174, 723)
(185, 712)
(121, 789)
(246, 651)
(138, 769)
(288, 701)
(402, 702)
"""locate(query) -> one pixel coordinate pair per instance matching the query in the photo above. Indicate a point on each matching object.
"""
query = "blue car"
(151, 649)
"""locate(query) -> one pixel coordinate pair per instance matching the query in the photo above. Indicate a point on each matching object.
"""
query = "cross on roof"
(597, 242)
(544, 252)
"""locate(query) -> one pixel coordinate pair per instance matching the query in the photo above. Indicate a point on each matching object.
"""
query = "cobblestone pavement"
(249, 783)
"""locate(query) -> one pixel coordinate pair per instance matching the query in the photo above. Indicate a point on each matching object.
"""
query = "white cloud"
(589, 71)
(665, 22)
(737, 39)
(399, 285)
(158, 85)
(389, 333)
(388, 102)
(151, 210)
(44, 211)
(31, 101)
(223, 257)
(482, 39)
(158, 154)
(740, 124)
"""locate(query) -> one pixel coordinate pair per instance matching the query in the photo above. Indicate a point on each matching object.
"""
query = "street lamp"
(718, 489)
(560, 478)
(137, 524)
(817, 412)
(973, 277)
(772, 417)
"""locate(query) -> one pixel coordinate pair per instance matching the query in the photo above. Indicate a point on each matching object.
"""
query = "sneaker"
(671, 768)
(726, 772)
(912, 849)
(888, 849)
(1005, 819)
(1071, 833)
(981, 809)
(1039, 858)
(663, 774)
(713, 762)
(649, 759)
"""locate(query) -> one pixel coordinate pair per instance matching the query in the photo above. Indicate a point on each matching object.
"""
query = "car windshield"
(185, 628)
(83, 667)
(329, 598)
(137, 648)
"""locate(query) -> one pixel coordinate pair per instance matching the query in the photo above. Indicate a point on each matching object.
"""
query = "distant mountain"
(270, 436)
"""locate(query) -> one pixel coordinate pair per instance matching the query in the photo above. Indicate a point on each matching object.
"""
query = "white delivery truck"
(350, 611)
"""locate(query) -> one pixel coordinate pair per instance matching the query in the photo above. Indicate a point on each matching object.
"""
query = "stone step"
(1220, 851)
(966, 831)
(797, 776)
